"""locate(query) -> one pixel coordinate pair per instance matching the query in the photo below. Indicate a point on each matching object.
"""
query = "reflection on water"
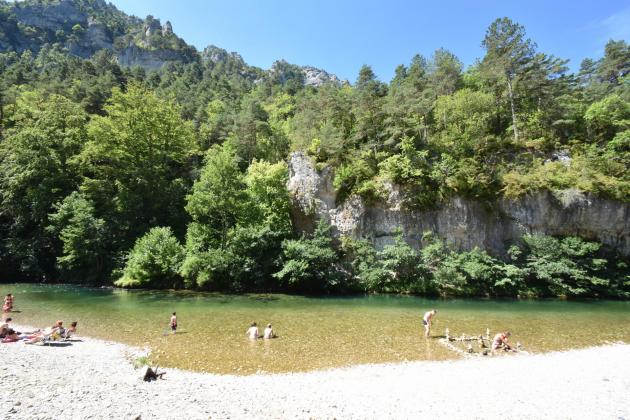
(314, 333)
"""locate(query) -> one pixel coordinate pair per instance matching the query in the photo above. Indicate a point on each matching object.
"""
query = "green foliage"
(547, 266)
(83, 236)
(567, 267)
(36, 172)
(154, 261)
(93, 156)
(310, 264)
(608, 116)
(133, 165)
(238, 223)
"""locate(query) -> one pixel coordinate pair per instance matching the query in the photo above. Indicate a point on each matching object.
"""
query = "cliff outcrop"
(461, 222)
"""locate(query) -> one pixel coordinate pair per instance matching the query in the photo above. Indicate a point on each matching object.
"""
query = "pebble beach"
(89, 378)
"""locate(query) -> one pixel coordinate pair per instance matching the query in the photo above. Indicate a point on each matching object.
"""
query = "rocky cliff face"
(462, 223)
(134, 55)
(318, 77)
(81, 27)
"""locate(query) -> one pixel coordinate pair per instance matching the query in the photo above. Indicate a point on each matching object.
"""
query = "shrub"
(154, 261)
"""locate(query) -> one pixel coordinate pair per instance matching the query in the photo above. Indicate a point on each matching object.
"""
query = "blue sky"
(340, 36)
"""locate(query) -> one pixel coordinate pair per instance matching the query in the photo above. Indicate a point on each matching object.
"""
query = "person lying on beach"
(252, 331)
(426, 321)
(55, 332)
(500, 341)
(268, 334)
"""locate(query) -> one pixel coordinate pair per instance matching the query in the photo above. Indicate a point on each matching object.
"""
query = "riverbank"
(91, 378)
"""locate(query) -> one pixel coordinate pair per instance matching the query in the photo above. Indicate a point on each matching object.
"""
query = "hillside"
(127, 156)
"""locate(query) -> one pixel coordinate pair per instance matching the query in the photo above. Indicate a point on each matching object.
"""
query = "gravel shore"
(95, 379)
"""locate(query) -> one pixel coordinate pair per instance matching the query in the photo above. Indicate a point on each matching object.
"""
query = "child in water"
(173, 323)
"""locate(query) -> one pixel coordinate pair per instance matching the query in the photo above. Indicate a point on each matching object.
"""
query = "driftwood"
(148, 374)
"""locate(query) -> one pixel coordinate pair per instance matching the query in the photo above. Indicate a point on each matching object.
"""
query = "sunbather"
(70, 331)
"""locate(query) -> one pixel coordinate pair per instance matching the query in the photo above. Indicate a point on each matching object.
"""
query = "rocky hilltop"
(84, 27)
(462, 223)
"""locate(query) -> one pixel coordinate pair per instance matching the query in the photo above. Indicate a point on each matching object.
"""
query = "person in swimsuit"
(8, 303)
(500, 341)
(426, 321)
(252, 331)
(70, 331)
(173, 322)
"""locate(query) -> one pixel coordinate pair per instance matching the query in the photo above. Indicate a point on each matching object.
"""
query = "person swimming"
(252, 331)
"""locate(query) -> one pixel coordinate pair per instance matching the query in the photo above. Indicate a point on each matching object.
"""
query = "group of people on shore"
(9, 335)
(56, 332)
(499, 342)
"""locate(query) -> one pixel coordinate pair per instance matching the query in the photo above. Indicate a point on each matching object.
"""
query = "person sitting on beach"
(268, 334)
(500, 341)
(53, 333)
(6, 325)
(426, 321)
(173, 322)
(70, 331)
(58, 329)
(7, 335)
(252, 331)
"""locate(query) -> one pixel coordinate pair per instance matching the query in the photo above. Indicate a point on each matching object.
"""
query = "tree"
(566, 267)
(215, 206)
(446, 72)
(508, 54)
(154, 261)
(36, 172)
(310, 263)
(83, 235)
(134, 164)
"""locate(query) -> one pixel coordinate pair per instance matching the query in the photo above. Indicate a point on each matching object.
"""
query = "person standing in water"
(426, 321)
(174, 322)
(268, 334)
(8, 303)
(252, 331)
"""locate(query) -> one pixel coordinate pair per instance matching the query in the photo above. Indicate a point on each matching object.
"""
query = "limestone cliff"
(85, 27)
(462, 223)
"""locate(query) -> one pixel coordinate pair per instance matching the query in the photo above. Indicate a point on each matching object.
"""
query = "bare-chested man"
(426, 321)
(500, 341)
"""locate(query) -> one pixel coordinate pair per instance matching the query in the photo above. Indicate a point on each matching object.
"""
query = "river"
(314, 332)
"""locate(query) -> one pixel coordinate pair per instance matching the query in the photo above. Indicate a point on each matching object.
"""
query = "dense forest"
(176, 177)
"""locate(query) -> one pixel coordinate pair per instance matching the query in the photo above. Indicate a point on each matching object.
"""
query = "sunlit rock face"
(463, 223)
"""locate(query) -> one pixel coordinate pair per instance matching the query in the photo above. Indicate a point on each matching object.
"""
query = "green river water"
(314, 333)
